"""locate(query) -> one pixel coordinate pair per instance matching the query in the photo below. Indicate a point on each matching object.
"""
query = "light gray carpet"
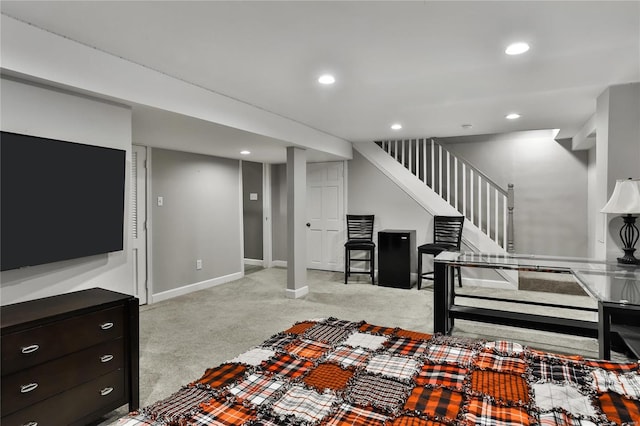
(181, 337)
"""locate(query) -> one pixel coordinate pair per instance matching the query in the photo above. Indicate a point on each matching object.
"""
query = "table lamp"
(625, 200)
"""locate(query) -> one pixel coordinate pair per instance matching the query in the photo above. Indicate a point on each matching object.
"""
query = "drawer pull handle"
(30, 424)
(106, 325)
(28, 388)
(29, 349)
(106, 391)
(106, 358)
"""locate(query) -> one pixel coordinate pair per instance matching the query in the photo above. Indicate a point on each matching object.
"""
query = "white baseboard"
(279, 263)
(298, 293)
(254, 262)
(195, 287)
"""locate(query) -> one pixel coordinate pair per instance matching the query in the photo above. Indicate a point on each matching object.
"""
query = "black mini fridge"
(396, 257)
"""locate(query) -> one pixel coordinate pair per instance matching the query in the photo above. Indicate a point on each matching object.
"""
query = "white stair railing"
(487, 205)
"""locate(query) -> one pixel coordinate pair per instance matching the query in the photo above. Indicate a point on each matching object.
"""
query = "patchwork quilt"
(335, 372)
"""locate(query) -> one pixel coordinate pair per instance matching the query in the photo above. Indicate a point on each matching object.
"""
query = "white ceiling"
(431, 66)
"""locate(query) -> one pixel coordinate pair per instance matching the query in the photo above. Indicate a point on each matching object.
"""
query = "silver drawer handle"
(106, 325)
(106, 391)
(29, 349)
(28, 388)
(106, 358)
(30, 424)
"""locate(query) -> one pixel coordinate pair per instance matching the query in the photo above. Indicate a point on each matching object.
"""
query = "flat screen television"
(59, 200)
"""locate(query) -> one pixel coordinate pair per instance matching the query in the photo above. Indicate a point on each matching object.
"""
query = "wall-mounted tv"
(59, 200)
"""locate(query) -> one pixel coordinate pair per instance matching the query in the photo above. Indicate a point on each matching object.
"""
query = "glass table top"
(605, 281)
(621, 286)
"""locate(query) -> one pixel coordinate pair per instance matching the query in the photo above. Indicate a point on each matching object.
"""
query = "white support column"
(296, 220)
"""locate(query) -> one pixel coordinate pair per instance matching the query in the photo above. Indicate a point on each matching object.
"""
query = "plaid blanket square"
(376, 329)
(481, 411)
(558, 418)
(378, 392)
(221, 376)
(501, 386)
(625, 384)
(348, 357)
(413, 421)
(415, 335)
(556, 357)
(393, 366)
(221, 413)
(335, 322)
(439, 403)
(614, 366)
(301, 327)
(445, 375)
(406, 346)
(279, 341)
(559, 373)
(256, 389)
(502, 347)
(306, 348)
(452, 354)
(328, 376)
(365, 340)
(253, 357)
(177, 406)
(304, 404)
(327, 333)
(491, 361)
(552, 396)
(621, 410)
(288, 366)
(348, 415)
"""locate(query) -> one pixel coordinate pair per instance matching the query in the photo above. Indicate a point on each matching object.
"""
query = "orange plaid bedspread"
(336, 372)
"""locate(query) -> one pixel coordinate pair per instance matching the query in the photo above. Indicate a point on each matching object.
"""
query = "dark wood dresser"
(69, 359)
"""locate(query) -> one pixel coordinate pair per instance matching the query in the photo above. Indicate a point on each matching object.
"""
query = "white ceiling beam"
(584, 139)
(31, 51)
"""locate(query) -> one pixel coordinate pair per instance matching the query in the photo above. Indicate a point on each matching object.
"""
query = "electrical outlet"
(199, 264)
(160, 201)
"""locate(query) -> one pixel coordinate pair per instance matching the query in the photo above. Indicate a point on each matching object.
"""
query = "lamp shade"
(625, 198)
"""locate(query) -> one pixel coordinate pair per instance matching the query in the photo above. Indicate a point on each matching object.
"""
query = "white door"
(139, 220)
(325, 216)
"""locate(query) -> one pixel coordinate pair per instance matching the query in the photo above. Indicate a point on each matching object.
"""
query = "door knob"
(308, 225)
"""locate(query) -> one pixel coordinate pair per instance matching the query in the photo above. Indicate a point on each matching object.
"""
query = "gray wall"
(252, 209)
(279, 211)
(200, 218)
(371, 192)
(550, 215)
(48, 112)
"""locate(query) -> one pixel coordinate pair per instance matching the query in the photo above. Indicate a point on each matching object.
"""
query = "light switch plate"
(253, 196)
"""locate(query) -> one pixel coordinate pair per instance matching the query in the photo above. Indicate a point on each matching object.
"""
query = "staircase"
(444, 184)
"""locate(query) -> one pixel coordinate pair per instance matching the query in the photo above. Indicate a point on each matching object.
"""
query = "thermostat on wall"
(253, 196)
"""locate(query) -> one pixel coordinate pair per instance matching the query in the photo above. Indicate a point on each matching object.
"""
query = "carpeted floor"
(181, 337)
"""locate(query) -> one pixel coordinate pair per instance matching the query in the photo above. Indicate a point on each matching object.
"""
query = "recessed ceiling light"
(245, 152)
(516, 48)
(326, 79)
(396, 126)
(512, 116)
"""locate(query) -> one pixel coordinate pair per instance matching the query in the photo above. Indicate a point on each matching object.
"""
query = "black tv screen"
(60, 200)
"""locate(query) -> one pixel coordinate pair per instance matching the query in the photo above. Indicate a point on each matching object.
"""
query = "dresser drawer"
(36, 345)
(42, 381)
(66, 408)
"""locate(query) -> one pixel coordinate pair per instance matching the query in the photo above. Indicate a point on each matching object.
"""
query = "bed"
(337, 372)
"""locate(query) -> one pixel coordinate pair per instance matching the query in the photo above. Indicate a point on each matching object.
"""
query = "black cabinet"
(69, 359)
(396, 257)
